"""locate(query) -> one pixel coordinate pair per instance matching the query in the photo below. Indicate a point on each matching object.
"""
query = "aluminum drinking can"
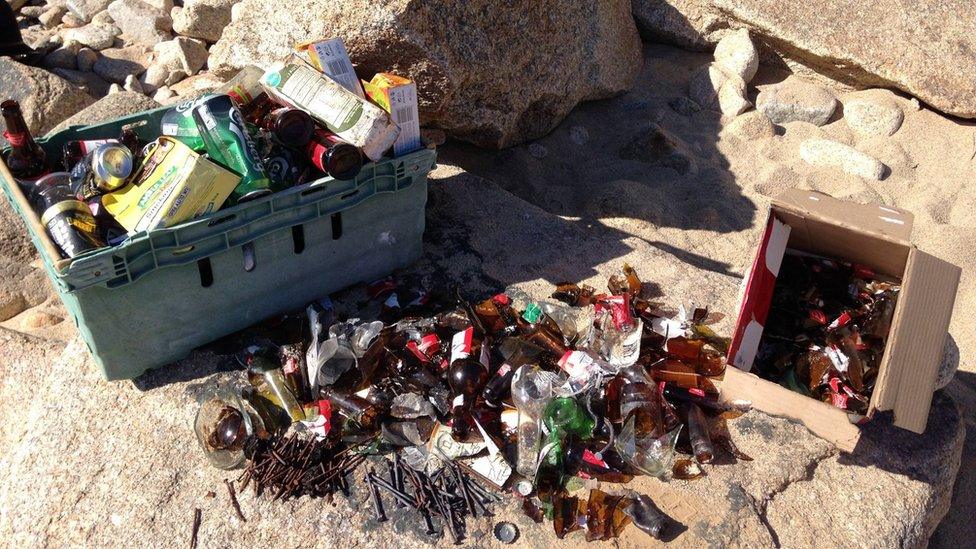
(222, 128)
(111, 166)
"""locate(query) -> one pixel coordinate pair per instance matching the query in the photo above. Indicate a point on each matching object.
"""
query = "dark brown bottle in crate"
(26, 159)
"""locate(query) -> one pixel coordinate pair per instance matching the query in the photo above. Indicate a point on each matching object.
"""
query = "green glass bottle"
(563, 416)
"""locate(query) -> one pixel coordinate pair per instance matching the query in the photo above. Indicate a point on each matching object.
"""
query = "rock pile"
(143, 46)
(872, 114)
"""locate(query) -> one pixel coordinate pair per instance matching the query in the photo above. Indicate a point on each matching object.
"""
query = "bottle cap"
(506, 532)
(532, 313)
(524, 488)
(111, 165)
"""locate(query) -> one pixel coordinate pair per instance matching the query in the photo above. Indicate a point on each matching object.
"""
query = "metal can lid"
(111, 165)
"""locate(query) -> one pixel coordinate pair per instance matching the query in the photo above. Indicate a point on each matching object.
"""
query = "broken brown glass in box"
(875, 236)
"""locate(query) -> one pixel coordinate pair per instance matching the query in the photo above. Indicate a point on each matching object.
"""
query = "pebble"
(737, 55)
(72, 21)
(831, 154)
(873, 112)
(63, 58)
(795, 99)
(11, 305)
(163, 93)
(115, 64)
(40, 319)
(86, 10)
(50, 18)
(140, 22)
(949, 364)
(86, 59)
(204, 19)
(132, 84)
(751, 126)
(95, 36)
(104, 18)
(32, 12)
(713, 88)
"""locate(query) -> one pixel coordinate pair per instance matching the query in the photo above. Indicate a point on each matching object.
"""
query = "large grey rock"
(481, 71)
(831, 154)
(115, 64)
(204, 19)
(109, 107)
(140, 22)
(873, 112)
(94, 35)
(927, 49)
(45, 98)
(795, 99)
(691, 24)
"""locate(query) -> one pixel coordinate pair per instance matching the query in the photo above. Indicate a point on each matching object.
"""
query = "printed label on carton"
(330, 57)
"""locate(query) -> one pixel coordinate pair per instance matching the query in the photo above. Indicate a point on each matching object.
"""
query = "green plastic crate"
(150, 301)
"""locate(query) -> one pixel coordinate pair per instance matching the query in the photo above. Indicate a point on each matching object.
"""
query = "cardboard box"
(398, 96)
(174, 184)
(330, 57)
(872, 235)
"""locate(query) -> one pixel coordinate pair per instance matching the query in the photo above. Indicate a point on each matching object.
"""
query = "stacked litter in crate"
(263, 132)
(138, 220)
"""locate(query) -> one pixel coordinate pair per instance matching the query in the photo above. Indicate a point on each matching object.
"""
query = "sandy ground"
(688, 217)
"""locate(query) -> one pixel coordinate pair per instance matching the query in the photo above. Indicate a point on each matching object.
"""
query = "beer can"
(111, 166)
(228, 143)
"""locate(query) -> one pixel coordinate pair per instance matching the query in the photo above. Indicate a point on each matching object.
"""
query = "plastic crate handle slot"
(298, 238)
(206, 272)
(250, 261)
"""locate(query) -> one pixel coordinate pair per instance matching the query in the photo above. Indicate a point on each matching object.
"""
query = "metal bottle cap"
(506, 532)
(111, 165)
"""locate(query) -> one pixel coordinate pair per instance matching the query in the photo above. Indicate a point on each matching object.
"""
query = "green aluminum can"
(178, 122)
(228, 143)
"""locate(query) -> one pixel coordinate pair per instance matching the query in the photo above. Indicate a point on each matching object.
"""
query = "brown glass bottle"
(333, 156)
(291, 127)
(466, 376)
(538, 328)
(26, 159)
(701, 443)
(353, 406)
